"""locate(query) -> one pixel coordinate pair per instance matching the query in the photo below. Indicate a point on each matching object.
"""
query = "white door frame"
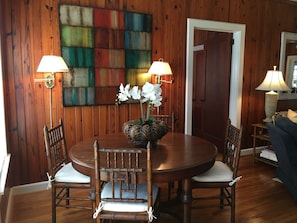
(237, 60)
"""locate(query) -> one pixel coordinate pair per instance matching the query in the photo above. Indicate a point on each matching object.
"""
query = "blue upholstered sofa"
(283, 137)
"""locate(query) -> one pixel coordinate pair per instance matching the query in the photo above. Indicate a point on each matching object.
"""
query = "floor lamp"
(51, 64)
(273, 82)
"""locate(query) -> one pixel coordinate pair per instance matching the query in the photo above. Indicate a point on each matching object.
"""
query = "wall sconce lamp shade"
(272, 82)
(160, 68)
(51, 64)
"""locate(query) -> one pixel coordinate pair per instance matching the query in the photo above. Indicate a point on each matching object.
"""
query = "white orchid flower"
(147, 88)
(122, 97)
(157, 89)
(135, 93)
(150, 94)
(124, 94)
(157, 101)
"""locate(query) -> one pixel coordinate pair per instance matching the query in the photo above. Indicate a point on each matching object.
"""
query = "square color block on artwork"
(137, 76)
(106, 58)
(111, 19)
(138, 40)
(77, 36)
(76, 15)
(109, 38)
(138, 22)
(79, 77)
(78, 56)
(137, 58)
(78, 96)
(109, 77)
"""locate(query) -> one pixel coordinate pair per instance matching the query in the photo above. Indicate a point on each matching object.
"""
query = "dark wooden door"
(211, 87)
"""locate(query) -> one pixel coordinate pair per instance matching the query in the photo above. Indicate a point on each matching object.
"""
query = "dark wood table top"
(175, 157)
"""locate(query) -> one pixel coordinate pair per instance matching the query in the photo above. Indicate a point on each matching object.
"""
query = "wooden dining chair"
(123, 197)
(61, 174)
(168, 119)
(223, 174)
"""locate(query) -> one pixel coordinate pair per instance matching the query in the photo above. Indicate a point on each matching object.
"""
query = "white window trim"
(4, 157)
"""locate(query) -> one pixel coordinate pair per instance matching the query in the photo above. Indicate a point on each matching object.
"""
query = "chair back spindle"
(168, 119)
(231, 153)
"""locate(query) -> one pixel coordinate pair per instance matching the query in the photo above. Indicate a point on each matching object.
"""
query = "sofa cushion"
(288, 126)
(292, 115)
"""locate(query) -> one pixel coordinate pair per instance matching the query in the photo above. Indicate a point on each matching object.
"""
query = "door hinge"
(232, 42)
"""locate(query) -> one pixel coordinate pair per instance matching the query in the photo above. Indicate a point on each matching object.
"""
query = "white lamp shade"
(273, 81)
(51, 63)
(160, 68)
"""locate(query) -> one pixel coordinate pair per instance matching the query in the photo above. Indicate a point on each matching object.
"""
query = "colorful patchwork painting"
(103, 48)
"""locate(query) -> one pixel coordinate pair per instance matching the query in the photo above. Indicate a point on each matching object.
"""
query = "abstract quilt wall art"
(103, 48)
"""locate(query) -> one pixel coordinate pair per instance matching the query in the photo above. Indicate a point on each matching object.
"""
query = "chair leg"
(222, 197)
(233, 204)
(179, 186)
(170, 185)
(54, 190)
(67, 196)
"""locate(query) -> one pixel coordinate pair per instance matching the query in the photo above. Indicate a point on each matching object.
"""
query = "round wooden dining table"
(175, 157)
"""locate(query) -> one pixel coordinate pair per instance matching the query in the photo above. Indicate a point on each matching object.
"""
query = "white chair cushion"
(127, 206)
(219, 172)
(69, 175)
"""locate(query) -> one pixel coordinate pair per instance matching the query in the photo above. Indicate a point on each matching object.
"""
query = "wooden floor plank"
(259, 200)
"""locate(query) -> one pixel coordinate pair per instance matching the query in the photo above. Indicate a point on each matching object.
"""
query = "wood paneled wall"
(30, 29)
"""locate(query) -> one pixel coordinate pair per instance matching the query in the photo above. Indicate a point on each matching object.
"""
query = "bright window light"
(4, 157)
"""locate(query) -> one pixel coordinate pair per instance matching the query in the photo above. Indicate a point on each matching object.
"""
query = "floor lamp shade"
(273, 82)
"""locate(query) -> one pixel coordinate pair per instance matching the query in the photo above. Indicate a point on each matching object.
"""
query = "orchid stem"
(141, 111)
(148, 111)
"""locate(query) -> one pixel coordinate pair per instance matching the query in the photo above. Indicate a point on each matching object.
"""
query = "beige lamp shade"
(273, 81)
(160, 68)
(51, 63)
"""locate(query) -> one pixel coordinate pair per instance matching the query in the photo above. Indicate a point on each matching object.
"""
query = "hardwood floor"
(259, 200)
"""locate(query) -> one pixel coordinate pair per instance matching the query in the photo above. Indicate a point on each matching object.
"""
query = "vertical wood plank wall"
(30, 29)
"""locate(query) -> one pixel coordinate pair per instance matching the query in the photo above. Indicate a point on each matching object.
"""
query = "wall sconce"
(160, 68)
(273, 81)
(51, 64)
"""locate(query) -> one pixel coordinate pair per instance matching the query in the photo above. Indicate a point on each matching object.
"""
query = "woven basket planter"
(142, 134)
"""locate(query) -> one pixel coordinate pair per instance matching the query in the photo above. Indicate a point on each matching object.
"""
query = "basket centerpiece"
(146, 128)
